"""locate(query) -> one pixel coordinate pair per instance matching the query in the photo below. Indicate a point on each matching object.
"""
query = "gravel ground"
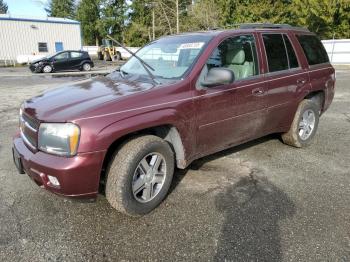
(261, 201)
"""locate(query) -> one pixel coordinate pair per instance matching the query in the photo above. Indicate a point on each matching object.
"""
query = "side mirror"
(218, 76)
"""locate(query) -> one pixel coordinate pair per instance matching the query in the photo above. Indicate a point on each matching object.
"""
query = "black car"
(65, 60)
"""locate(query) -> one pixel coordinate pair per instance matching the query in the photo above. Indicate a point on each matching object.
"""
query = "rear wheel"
(117, 57)
(86, 67)
(140, 175)
(47, 69)
(304, 125)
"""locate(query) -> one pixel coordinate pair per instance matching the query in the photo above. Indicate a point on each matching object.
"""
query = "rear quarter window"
(76, 54)
(313, 49)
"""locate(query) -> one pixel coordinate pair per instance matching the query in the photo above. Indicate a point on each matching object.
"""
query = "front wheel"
(140, 175)
(304, 125)
(47, 69)
(99, 55)
(107, 57)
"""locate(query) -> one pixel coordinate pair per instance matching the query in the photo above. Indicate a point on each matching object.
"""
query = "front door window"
(237, 54)
(62, 56)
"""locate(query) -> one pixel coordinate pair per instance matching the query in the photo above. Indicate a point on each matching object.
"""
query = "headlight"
(20, 115)
(60, 139)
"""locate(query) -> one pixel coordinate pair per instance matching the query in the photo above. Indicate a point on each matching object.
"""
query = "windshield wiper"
(145, 65)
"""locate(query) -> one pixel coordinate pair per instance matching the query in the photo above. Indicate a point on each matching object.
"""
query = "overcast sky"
(26, 7)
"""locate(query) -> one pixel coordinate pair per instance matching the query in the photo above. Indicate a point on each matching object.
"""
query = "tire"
(126, 174)
(106, 57)
(99, 55)
(86, 67)
(47, 69)
(299, 134)
(117, 57)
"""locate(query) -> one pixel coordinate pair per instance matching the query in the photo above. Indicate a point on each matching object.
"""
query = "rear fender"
(85, 61)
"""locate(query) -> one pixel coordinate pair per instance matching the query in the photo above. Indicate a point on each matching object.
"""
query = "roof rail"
(269, 25)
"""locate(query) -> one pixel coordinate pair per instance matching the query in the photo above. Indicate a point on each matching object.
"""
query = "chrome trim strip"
(28, 125)
(27, 141)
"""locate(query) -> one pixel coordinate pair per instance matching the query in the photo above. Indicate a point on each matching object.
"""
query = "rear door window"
(292, 58)
(275, 52)
(313, 49)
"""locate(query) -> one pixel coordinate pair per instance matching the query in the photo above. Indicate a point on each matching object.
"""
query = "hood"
(39, 60)
(81, 99)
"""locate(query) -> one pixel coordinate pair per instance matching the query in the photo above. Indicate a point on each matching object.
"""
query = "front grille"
(29, 130)
(31, 121)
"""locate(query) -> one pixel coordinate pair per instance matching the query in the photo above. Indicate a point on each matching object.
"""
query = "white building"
(25, 37)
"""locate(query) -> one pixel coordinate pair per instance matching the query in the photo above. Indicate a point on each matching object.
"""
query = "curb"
(17, 74)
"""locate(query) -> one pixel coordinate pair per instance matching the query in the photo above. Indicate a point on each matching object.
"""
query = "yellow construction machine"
(108, 52)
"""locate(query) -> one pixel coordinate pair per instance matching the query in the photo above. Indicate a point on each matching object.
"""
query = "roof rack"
(269, 25)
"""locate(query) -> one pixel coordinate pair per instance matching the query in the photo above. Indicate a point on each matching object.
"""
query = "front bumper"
(78, 176)
(35, 69)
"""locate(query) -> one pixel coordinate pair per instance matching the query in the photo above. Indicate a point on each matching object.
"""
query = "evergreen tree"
(113, 16)
(138, 30)
(3, 7)
(61, 8)
(327, 18)
(88, 13)
(133, 23)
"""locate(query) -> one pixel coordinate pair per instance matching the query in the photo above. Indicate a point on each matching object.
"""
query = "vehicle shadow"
(197, 164)
(252, 209)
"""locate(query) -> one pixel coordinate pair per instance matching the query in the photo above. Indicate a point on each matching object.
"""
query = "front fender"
(120, 128)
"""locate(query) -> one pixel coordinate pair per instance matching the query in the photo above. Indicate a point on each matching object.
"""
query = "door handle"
(301, 82)
(257, 91)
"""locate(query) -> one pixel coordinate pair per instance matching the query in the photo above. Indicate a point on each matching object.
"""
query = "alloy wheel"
(149, 177)
(47, 69)
(307, 124)
(86, 67)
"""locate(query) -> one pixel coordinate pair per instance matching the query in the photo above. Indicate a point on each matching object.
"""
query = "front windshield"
(170, 57)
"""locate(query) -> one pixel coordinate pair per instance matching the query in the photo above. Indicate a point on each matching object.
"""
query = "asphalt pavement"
(261, 201)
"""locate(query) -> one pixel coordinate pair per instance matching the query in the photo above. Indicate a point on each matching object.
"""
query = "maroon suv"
(181, 98)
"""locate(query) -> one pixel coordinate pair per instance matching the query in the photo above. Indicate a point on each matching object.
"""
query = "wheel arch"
(86, 61)
(317, 96)
(168, 132)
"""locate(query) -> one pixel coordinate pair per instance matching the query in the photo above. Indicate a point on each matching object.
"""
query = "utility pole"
(153, 18)
(177, 17)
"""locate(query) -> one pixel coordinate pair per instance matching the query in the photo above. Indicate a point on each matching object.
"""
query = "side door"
(61, 61)
(75, 59)
(286, 78)
(231, 113)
